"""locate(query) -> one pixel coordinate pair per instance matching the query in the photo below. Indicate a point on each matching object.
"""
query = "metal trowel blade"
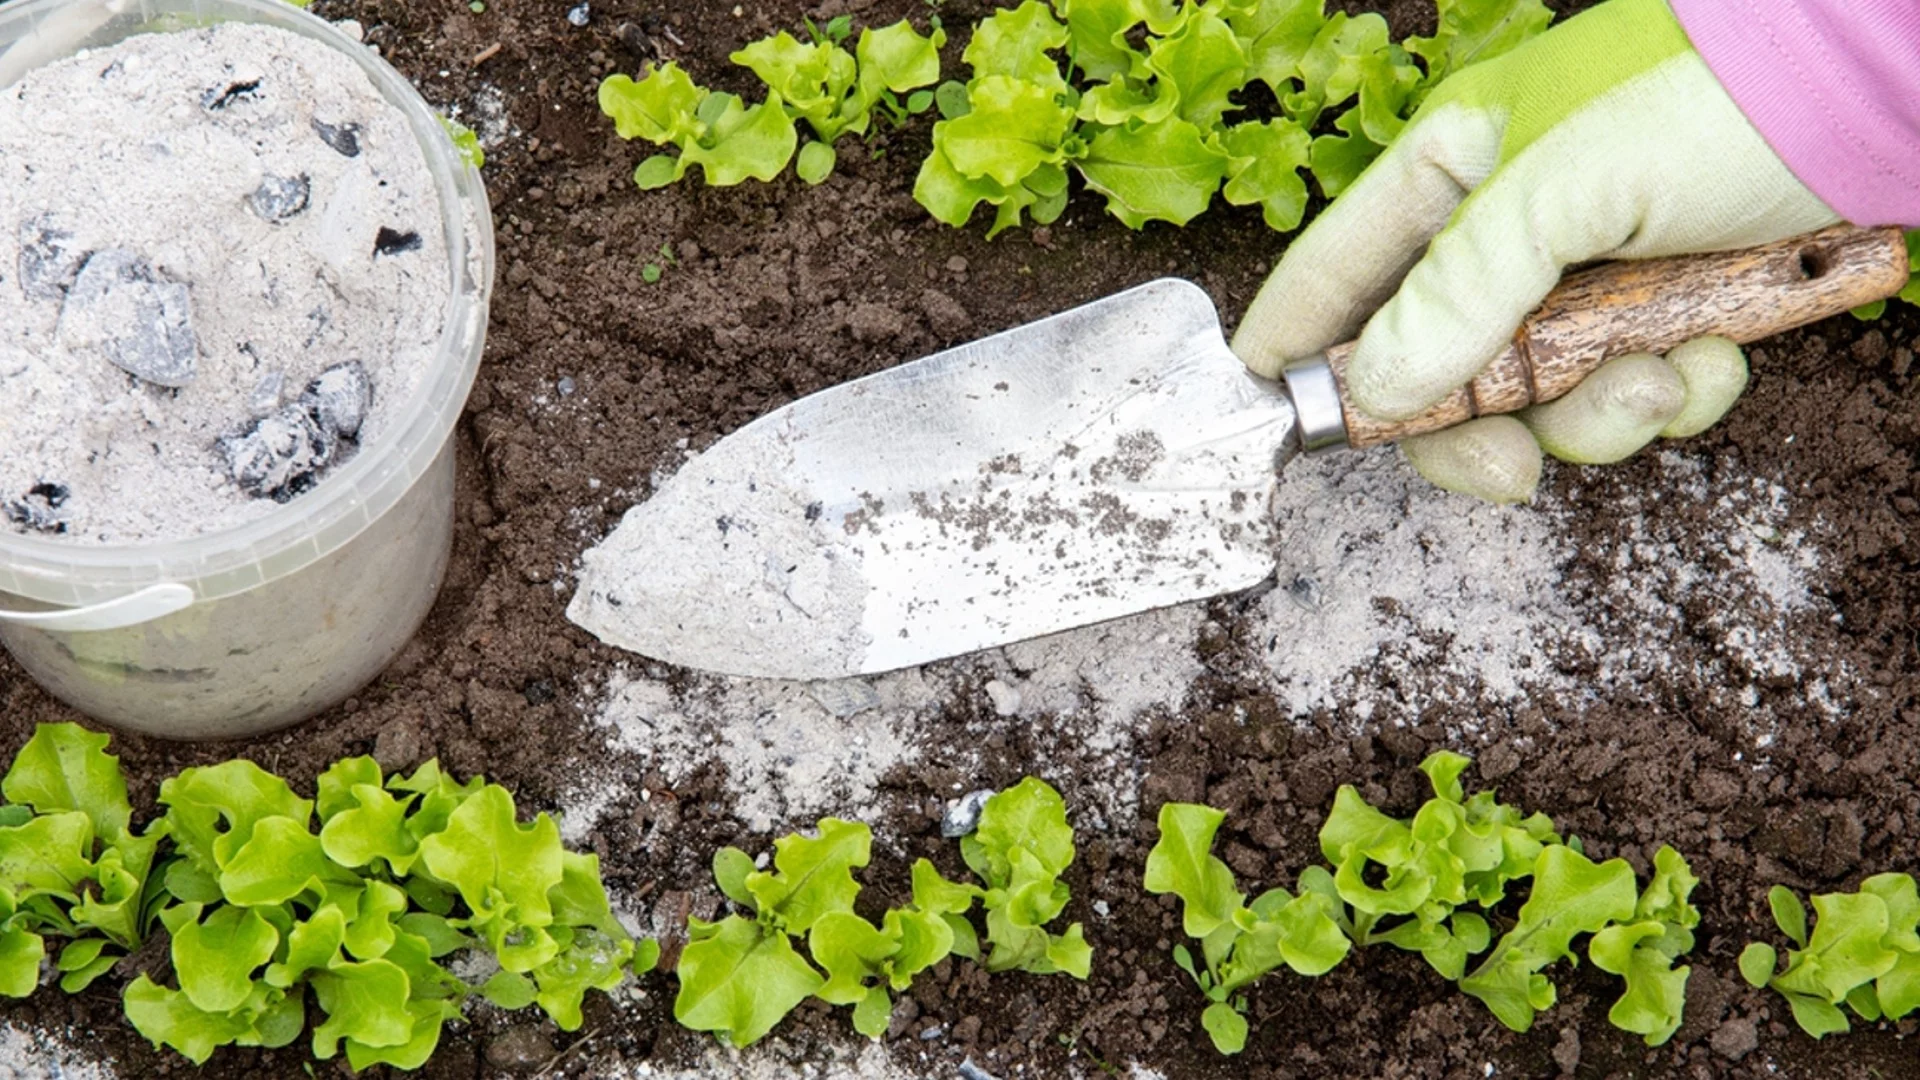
(1108, 460)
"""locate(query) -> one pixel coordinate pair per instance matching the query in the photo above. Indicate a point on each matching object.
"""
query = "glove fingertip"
(1494, 458)
(1610, 416)
(1716, 375)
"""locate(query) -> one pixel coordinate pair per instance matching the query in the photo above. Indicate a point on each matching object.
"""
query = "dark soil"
(779, 290)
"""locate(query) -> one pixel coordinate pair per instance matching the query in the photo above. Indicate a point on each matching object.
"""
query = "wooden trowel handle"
(1651, 306)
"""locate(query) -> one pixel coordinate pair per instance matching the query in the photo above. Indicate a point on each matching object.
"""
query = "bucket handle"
(152, 602)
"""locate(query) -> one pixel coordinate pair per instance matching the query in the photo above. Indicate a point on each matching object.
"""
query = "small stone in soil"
(49, 259)
(963, 814)
(579, 14)
(280, 197)
(140, 323)
(39, 509)
(970, 1071)
(278, 456)
(393, 241)
(344, 138)
(338, 399)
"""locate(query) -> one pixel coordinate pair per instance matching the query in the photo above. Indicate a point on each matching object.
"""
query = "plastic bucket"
(254, 628)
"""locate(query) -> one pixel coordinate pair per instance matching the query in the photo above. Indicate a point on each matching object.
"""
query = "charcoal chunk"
(266, 393)
(280, 455)
(141, 323)
(280, 197)
(219, 97)
(39, 509)
(49, 259)
(393, 241)
(344, 138)
(338, 399)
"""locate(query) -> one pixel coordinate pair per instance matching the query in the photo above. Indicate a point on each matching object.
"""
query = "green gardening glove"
(1605, 138)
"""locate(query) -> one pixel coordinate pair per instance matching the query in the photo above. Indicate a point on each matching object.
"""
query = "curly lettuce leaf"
(1097, 32)
(738, 978)
(660, 108)
(812, 876)
(1182, 863)
(1263, 169)
(1017, 43)
(1474, 30)
(1572, 895)
(1203, 64)
(65, 767)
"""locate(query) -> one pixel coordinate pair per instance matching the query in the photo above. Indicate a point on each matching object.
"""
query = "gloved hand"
(1606, 137)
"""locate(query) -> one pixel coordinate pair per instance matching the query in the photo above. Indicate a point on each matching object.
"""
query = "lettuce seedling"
(863, 962)
(1143, 113)
(1454, 850)
(1239, 942)
(1863, 953)
(832, 90)
(729, 140)
(1009, 132)
(740, 976)
(836, 91)
(1643, 951)
(71, 864)
(1411, 884)
(1019, 850)
(401, 871)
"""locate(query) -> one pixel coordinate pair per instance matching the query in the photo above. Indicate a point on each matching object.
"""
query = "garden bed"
(1711, 646)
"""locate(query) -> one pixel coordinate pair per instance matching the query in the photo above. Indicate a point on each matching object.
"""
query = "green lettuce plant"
(819, 82)
(1863, 954)
(1019, 850)
(1149, 101)
(354, 895)
(400, 872)
(72, 866)
(741, 975)
(1239, 942)
(1434, 884)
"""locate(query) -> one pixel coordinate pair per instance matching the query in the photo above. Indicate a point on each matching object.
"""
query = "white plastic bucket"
(254, 628)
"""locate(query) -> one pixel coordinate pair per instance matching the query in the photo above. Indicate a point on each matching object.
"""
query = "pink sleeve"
(1833, 85)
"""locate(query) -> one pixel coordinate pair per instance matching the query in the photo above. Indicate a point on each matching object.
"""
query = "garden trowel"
(1107, 460)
